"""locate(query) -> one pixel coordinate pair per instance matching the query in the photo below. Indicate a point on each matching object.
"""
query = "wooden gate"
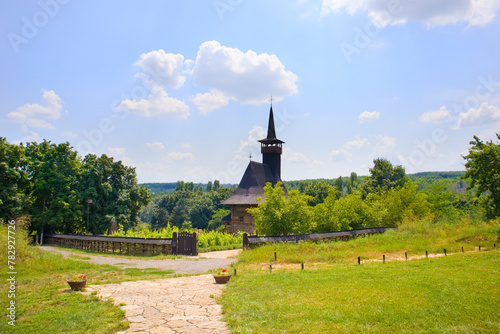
(185, 243)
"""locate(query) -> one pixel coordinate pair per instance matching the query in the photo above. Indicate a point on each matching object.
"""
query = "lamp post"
(88, 209)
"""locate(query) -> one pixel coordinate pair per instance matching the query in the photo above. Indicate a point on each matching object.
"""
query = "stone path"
(170, 305)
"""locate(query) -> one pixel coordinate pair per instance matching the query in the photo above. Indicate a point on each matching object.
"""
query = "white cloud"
(384, 144)
(33, 136)
(210, 101)
(36, 115)
(294, 157)
(484, 114)
(119, 153)
(429, 12)
(254, 135)
(438, 116)
(186, 145)
(340, 155)
(156, 146)
(357, 142)
(162, 69)
(366, 116)
(181, 156)
(246, 77)
(158, 104)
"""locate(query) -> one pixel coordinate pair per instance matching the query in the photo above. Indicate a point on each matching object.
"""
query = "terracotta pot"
(79, 285)
(222, 279)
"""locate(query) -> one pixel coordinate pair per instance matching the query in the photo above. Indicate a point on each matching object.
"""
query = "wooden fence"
(115, 245)
(249, 241)
(184, 243)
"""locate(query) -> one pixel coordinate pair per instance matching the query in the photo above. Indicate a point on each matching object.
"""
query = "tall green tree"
(383, 176)
(483, 170)
(113, 191)
(281, 215)
(13, 180)
(53, 174)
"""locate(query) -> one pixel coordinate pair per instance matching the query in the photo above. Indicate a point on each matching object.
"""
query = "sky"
(181, 90)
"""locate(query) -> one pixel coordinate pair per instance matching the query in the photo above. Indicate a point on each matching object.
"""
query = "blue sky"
(180, 89)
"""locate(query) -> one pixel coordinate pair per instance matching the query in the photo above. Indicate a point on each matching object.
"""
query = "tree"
(281, 215)
(483, 170)
(114, 192)
(13, 180)
(318, 192)
(383, 176)
(53, 173)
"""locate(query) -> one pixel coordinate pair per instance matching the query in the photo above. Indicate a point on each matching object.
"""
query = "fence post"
(406, 256)
(445, 252)
(462, 249)
(359, 260)
(275, 257)
(426, 255)
(245, 240)
(302, 265)
(194, 245)
(270, 268)
(383, 258)
(174, 243)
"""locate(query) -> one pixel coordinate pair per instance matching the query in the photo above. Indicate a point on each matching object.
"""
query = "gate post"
(174, 243)
(194, 245)
(245, 240)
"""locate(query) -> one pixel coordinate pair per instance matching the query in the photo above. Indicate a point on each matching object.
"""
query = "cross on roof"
(271, 100)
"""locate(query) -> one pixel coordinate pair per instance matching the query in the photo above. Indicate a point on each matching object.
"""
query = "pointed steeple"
(271, 131)
(271, 147)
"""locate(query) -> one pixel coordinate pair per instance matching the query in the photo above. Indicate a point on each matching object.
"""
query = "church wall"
(241, 220)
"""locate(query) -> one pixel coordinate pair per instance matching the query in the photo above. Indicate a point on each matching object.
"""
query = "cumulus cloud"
(254, 135)
(384, 144)
(162, 69)
(357, 142)
(246, 77)
(366, 116)
(158, 104)
(438, 116)
(181, 156)
(294, 157)
(429, 12)
(484, 114)
(210, 101)
(156, 146)
(340, 155)
(36, 115)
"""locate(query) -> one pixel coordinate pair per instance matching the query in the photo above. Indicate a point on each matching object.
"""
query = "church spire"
(271, 147)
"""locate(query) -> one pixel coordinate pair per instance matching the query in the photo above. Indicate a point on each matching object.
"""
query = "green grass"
(412, 237)
(43, 301)
(453, 294)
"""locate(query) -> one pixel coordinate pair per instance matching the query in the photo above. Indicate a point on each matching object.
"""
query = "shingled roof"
(252, 184)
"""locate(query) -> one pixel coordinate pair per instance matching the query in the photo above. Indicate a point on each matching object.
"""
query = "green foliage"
(280, 214)
(206, 239)
(54, 199)
(52, 184)
(13, 180)
(383, 176)
(318, 192)
(114, 192)
(183, 205)
(483, 170)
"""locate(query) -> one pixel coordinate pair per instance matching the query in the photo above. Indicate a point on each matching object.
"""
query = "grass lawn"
(453, 294)
(44, 303)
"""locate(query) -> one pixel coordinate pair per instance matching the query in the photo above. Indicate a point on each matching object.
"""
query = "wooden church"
(253, 181)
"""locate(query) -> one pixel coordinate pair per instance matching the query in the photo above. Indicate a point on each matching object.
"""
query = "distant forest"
(424, 180)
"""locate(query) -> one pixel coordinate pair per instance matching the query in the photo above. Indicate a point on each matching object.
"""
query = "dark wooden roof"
(271, 131)
(252, 184)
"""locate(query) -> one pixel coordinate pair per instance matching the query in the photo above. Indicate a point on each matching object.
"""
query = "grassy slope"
(43, 303)
(454, 294)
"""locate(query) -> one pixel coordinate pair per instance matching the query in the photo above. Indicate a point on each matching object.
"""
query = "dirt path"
(202, 263)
